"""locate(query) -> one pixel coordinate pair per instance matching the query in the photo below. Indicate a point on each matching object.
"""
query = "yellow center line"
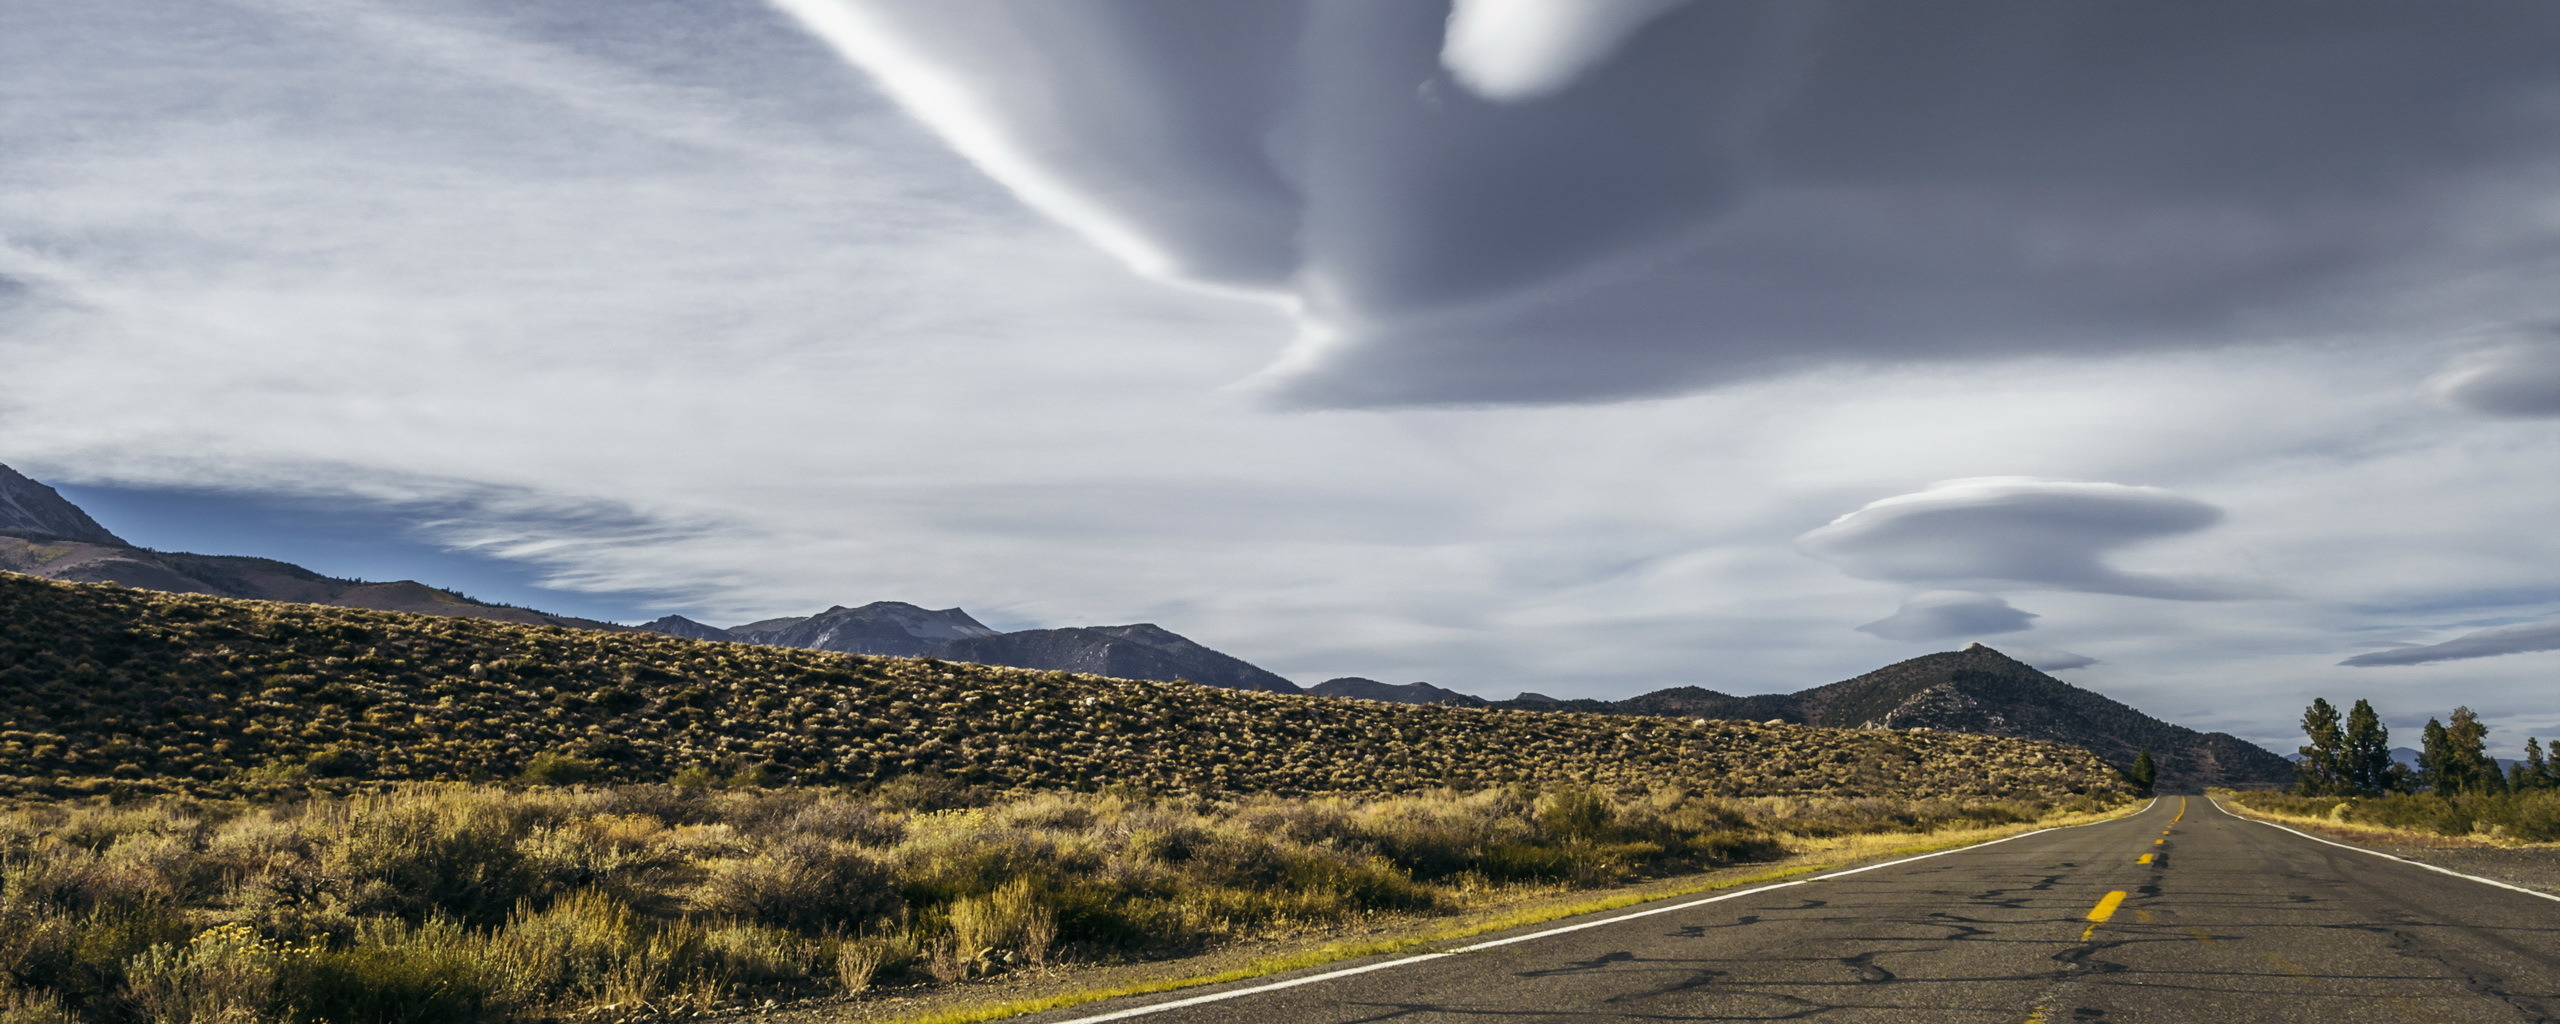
(2159, 842)
(2145, 858)
(2105, 909)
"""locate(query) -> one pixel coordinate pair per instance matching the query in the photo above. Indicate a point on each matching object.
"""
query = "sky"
(2202, 353)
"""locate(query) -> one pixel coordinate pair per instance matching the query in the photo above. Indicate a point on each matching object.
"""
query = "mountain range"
(43, 534)
(1976, 690)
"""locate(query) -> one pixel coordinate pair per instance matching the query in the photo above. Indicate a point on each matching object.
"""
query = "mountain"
(678, 625)
(1977, 690)
(747, 632)
(41, 534)
(1141, 651)
(1405, 693)
(33, 508)
(881, 627)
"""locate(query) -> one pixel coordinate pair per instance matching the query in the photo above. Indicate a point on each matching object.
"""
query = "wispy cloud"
(2522, 638)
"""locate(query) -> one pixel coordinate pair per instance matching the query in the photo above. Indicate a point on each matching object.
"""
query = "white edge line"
(1213, 997)
(2217, 805)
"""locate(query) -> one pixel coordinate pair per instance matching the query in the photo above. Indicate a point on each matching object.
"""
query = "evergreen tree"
(2144, 772)
(2469, 753)
(2534, 772)
(2318, 772)
(2367, 759)
(2433, 758)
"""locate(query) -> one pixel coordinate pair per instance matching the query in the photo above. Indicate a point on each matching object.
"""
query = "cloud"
(2011, 532)
(663, 299)
(2049, 661)
(1948, 615)
(1510, 50)
(2519, 379)
(1537, 201)
(2487, 643)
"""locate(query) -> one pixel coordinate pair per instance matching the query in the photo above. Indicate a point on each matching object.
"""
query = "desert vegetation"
(221, 810)
(105, 690)
(458, 902)
(2348, 776)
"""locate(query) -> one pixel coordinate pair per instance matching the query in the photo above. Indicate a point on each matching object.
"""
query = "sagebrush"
(451, 902)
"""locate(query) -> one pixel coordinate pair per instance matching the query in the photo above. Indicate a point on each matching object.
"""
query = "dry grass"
(459, 903)
(2517, 820)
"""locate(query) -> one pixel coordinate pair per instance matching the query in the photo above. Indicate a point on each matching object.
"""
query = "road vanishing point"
(2178, 914)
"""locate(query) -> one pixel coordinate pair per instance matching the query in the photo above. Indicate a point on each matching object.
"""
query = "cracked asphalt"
(2229, 921)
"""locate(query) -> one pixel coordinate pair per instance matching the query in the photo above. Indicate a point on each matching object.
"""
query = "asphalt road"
(2207, 918)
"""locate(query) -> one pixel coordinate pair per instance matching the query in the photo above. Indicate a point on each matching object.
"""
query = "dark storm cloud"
(2519, 379)
(1949, 615)
(2010, 532)
(1698, 193)
(2488, 643)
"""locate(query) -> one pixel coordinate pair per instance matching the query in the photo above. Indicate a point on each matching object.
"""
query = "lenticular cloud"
(1576, 200)
(1991, 533)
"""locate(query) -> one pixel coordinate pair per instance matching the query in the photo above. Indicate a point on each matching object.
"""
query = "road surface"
(2180, 913)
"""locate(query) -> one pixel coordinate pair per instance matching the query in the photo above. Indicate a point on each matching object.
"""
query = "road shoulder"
(2534, 866)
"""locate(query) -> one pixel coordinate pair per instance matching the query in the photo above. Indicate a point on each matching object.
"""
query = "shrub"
(553, 768)
(227, 975)
(418, 853)
(395, 974)
(804, 883)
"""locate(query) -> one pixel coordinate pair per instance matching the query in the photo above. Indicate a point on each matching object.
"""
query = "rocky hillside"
(1141, 651)
(104, 687)
(43, 535)
(1977, 690)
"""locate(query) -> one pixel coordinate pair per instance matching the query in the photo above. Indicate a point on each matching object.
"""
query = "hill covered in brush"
(103, 686)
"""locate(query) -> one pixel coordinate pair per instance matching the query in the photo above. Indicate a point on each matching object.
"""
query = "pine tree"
(2434, 757)
(2471, 745)
(2144, 772)
(2531, 773)
(2367, 759)
(2318, 773)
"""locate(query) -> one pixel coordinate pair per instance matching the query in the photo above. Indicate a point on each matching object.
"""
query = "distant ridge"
(678, 625)
(881, 627)
(1399, 693)
(1139, 651)
(41, 534)
(1977, 690)
(30, 507)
